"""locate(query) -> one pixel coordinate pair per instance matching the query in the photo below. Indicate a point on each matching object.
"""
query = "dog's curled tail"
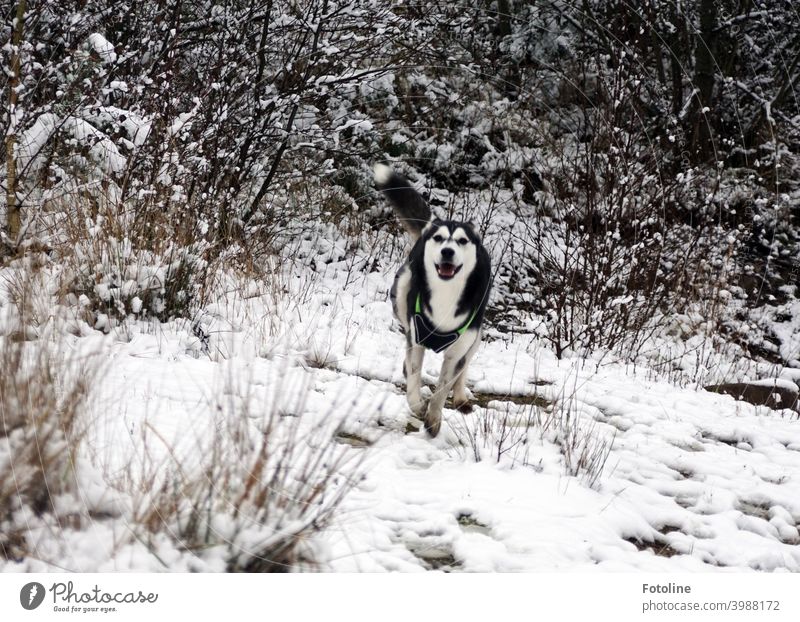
(410, 207)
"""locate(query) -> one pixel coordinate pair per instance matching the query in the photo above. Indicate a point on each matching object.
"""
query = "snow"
(34, 138)
(102, 149)
(183, 119)
(136, 127)
(690, 480)
(782, 383)
(102, 47)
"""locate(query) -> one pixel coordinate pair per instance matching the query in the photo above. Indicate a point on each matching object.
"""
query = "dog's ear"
(472, 232)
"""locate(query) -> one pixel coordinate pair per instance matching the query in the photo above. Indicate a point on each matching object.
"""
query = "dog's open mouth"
(447, 270)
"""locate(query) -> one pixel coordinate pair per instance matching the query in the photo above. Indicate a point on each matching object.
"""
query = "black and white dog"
(439, 296)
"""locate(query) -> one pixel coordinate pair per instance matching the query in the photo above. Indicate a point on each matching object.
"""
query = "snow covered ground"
(563, 465)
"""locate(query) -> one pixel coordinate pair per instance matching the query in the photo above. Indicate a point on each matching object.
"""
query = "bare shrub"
(584, 447)
(260, 488)
(619, 241)
(117, 261)
(506, 431)
(498, 433)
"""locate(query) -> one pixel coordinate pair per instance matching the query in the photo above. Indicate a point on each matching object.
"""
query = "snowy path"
(693, 481)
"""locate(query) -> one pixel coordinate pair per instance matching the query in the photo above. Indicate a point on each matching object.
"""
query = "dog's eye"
(462, 241)
(438, 238)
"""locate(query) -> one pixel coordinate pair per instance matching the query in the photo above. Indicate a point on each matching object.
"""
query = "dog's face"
(451, 249)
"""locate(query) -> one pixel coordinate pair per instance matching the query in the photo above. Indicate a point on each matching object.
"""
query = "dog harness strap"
(464, 328)
(427, 335)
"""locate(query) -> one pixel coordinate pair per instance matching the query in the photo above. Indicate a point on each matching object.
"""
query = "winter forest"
(199, 366)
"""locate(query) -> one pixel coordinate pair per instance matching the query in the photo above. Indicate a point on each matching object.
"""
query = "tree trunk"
(13, 221)
(704, 79)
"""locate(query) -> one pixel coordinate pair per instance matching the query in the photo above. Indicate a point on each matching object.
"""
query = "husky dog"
(439, 296)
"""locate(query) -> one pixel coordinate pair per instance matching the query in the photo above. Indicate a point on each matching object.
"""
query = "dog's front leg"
(460, 399)
(433, 416)
(413, 372)
(454, 368)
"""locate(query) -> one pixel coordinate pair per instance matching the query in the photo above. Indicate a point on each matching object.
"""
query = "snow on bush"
(102, 47)
(110, 281)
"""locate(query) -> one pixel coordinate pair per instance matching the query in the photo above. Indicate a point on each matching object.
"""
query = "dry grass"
(505, 427)
(497, 432)
(254, 494)
(585, 448)
(41, 403)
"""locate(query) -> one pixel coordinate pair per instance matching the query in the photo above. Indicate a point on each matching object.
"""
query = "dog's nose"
(448, 253)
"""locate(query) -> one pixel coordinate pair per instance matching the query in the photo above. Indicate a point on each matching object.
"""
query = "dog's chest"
(444, 300)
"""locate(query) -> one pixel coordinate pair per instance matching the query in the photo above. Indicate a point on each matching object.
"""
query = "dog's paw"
(433, 422)
(463, 407)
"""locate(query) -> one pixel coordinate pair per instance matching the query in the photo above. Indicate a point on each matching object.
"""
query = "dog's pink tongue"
(447, 269)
